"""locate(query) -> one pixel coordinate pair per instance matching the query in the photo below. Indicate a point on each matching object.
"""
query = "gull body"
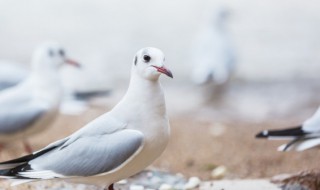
(302, 137)
(80, 86)
(30, 106)
(115, 145)
(213, 55)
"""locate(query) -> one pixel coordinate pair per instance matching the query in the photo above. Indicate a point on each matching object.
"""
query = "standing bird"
(303, 137)
(114, 146)
(213, 57)
(80, 86)
(30, 106)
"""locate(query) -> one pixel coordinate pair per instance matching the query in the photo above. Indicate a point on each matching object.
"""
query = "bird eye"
(61, 52)
(146, 58)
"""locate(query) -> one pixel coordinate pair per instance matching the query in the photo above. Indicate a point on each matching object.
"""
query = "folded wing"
(86, 156)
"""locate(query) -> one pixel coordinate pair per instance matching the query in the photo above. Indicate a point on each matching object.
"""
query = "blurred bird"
(114, 146)
(30, 106)
(213, 57)
(303, 137)
(79, 86)
(11, 74)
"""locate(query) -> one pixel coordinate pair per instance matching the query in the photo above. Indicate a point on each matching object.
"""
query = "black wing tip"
(262, 134)
(288, 132)
(22, 159)
(29, 157)
(14, 172)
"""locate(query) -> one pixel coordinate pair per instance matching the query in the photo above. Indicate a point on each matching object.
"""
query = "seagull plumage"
(30, 106)
(213, 54)
(115, 145)
(302, 137)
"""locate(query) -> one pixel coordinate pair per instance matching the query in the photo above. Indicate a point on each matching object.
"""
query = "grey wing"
(20, 114)
(88, 156)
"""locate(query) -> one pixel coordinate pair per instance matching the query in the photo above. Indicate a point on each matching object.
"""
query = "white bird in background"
(79, 85)
(116, 145)
(213, 55)
(11, 74)
(303, 137)
(30, 106)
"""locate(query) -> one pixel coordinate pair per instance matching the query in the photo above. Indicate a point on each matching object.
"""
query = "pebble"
(217, 129)
(192, 183)
(165, 187)
(136, 187)
(219, 172)
(122, 182)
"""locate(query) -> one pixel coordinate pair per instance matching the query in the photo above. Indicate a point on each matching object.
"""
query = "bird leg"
(110, 187)
(27, 147)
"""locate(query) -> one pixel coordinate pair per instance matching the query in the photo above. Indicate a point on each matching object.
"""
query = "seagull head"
(149, 64)
(51, 56)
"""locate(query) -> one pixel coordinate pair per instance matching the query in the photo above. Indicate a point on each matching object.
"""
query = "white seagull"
(30, 106)
(80, 86)
(302, 137)
(114, 146)
(213, 55)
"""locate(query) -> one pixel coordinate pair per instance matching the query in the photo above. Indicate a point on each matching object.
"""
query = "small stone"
(165, 187)
(192, 183)
(217, 129)
(136, 187)
(219, 172)
(149, 174)
(122, 182)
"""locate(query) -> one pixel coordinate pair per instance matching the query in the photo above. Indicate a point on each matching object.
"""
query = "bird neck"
(143, 96)
(141, 88)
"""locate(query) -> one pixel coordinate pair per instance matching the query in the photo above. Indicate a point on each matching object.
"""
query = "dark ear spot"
(135, 60)
(51, 53)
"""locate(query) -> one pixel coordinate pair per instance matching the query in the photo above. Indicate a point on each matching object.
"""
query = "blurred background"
(274, 81)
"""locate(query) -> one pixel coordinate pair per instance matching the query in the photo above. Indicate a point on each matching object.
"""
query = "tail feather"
(12, 168)
(289, 132)
(300, 144)
(290, 145)
(19, 161)
(14, 173)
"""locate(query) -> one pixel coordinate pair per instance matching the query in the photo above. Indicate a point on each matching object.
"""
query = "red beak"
(164, 70)
(72, 62)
